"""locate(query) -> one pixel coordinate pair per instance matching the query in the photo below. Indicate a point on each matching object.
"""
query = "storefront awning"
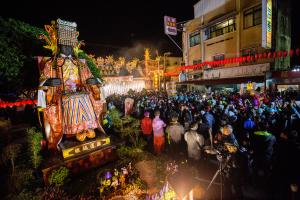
(236, 80)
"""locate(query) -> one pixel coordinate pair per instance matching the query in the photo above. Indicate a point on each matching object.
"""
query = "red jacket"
(146, 125)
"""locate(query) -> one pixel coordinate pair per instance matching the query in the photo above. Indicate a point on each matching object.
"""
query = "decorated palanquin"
(69, 95)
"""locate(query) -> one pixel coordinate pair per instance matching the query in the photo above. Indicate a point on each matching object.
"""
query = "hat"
(272, 110)
(146, 114)
(174, 118)
(194, 126)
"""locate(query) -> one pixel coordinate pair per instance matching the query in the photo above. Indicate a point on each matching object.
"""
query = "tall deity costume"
(69, 95)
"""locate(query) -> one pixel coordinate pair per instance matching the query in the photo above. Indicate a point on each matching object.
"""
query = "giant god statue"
(69, 95)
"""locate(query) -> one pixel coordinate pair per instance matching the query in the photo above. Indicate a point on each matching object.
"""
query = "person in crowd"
(146, 126)
(263, 147)
(158, 132)
(175, 132)
(194, 142)
(226, 136)
(107, 122)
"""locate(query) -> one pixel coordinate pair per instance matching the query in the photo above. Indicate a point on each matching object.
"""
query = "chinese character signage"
(266, 23)
(170, 25)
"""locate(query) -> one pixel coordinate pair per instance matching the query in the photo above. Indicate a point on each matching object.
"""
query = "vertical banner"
(128, 106)
(266, 24)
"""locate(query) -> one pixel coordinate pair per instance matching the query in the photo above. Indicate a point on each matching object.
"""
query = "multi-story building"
(223, 29)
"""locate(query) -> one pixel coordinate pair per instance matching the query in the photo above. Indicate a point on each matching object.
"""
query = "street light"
(165, 54)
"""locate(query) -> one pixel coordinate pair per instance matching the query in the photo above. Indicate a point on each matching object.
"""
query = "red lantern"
(269, 55)
(260, 56)
(265, 55)
(256, 56)
(248, 58)
(297, 51)
(274, 54)
(279, 54)
(291, 53)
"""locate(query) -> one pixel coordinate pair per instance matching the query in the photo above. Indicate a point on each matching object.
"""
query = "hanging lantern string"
(4, 104)
(238, 59)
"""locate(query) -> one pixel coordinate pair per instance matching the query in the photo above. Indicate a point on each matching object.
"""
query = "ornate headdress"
(67, 34)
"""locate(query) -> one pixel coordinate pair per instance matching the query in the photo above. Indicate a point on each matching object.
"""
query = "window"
(194, 38)
(283, 23)
(197, 76)
(196, 61)
(220, 29)
(252, 17)
(218, 57)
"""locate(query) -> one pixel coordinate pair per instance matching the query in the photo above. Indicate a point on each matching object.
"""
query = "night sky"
(122, 28)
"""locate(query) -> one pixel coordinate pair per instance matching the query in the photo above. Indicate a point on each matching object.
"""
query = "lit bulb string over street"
(239, 59)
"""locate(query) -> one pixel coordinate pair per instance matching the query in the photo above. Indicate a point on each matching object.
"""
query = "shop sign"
(232, 72)
(170, 25)
(266, 24)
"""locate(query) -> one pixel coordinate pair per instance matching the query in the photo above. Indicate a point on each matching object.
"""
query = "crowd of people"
(261, 130)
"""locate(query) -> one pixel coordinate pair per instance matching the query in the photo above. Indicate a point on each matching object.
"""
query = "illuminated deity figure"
(69, 95)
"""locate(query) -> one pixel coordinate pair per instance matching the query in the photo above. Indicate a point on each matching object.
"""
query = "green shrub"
(132, 154)
(116, 119)
(21, 178)
(25, 195)
(58, 176)
(34, 138)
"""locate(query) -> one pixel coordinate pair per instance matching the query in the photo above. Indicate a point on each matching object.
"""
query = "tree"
(10, 153)
(19, 43)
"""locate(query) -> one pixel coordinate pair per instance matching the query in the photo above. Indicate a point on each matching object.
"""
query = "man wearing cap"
(174, 132)
(158, 132)
(146, 126)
